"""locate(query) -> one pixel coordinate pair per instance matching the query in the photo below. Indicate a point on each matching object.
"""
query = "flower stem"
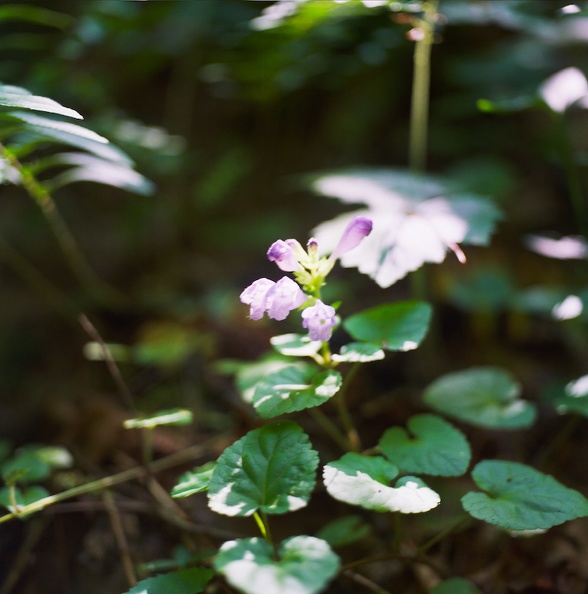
(419, 112)
(354, 442)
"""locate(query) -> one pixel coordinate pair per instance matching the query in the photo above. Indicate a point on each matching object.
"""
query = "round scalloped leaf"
(430, 446)
(194, 481)
(184, 581)
(397, 326)
(271, 469)
(519, 497)
(296, 345)
(305, 565)
(291, 389)
(483, 396)
(359, 352)
(455, 585)
(575, 399)
(364, 481)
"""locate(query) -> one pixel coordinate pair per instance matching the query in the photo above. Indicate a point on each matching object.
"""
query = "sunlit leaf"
(292, 389)
(575, 399)
(416, 219)
(359, 352)
(431, 445)
(194, 481)
(295, 345)
(17, 97)
(518, 497)
(397, 326)
(483, 396)
(184, 581)
(304, 565)
(364, 481)
(271, 469)
(174, 416)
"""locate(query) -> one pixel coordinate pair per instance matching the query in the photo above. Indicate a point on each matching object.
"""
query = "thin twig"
(365, 582)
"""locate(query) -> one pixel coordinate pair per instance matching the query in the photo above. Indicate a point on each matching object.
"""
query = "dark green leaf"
(397, 326)
(519, 497)
(271, 469)
(455, 586)
(344, 531)
(184, 581)
(430, 446)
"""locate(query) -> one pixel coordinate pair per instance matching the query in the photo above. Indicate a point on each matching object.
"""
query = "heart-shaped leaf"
(519, 497)
(359, 352)
(416, 219)
(397, 326)
(194, 481)
(184, 581)
(271, 469)
(305, 565)
(483, 396)
(291, 389)
(364, 480)
(437, 448)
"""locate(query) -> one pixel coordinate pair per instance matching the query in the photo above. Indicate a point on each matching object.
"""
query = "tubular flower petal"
(283, 253)
(319, 320)
(356, 230)
(282, 298)
(255, 295)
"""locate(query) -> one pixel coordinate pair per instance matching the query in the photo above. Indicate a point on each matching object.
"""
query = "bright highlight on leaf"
(430, 446)
(518, 497)
(575, 399)
(176, 416)
(292, 389)
(271, 469)
(359, 352)
(397, 326)
(305, 565)
(417, 218)
(194, 481)
(483, 396)
(364, 481)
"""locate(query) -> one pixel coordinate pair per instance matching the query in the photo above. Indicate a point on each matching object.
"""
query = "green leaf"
(35, 14)
(184, 581)
(34, 463)
(22, 496)
(575, 399)
(430, 446)
(174, 416)
(519, 497)
(483, 396)
(304, 565)
(455, 586)
(397, 326)
(344, 531)
(296, 345)
(67, 133)
(290, 390)
(363, 480)
(359, 352)
(194, 481)
(17, 97)
(271, 469)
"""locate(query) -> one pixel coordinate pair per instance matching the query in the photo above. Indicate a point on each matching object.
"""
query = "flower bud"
(356, 230)
(283, 253)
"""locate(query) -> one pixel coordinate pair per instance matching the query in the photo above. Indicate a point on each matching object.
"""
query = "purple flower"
(277, 299)
(319, 320)
(356, 230)
(283, 253)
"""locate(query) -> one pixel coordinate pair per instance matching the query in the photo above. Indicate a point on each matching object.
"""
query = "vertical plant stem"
(329, 428)
(263, 525)
(63, 235)
(419, 112)
(343, 412)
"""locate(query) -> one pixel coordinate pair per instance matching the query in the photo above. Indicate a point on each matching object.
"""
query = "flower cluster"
(278, 299)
